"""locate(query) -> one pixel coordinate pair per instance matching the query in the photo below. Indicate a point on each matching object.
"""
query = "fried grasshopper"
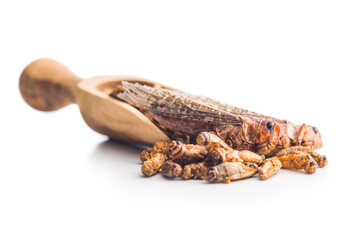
(230, 171)
(179, 112)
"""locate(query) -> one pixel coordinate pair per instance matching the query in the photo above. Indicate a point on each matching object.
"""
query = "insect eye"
(270, 125)
(315, 129)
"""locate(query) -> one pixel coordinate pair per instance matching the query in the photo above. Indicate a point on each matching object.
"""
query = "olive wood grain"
(48, 85)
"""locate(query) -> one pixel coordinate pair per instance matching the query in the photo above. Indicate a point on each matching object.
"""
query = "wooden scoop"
(48, 85)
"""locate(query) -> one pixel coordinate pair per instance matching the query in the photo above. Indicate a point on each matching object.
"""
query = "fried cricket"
(159, 147)
(153, 164)
(270, 167)
(171, 169)
(211, 141)
(220, 155)
(299, 161)
(230, 171)
(195, 171)
(186, 153)
(321, 160)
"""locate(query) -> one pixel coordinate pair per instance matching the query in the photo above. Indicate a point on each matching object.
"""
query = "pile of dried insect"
(213, 160)
(230, 143)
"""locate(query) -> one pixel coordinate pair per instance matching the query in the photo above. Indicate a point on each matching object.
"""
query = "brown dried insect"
(229, 171)
(194, 170)
(298, 161)
(220, 155)
(179, 112)
(171, 169)
(321, 160)
(153, 164)
(270, 167)
(159, 147)
(211, 141)
(186, 153)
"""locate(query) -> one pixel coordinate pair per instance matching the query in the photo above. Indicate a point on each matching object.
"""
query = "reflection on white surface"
(117, 152)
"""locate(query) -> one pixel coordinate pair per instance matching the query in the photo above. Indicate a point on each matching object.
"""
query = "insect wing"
(175, 104)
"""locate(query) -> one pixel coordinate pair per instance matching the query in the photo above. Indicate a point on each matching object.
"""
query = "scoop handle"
(48, 85)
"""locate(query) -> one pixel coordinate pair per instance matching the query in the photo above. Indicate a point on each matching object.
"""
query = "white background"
(297, 60)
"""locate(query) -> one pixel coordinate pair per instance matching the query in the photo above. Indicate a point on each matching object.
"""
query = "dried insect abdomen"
(229, 171)
(159, 147)
(171, 169)
(152, 165)
(220, 155)
(321, 160)
(270, 167)
(186, 153)
(298, 161)
(211, 141)
(194, 170)
(251, 157)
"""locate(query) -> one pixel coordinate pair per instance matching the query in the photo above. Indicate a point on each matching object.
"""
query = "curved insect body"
(178, 112)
